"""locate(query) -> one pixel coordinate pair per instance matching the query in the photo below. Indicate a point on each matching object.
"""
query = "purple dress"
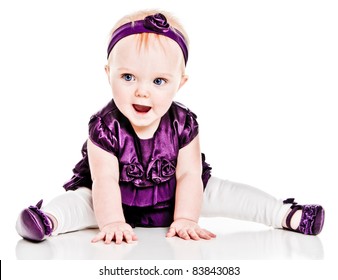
(147, 167)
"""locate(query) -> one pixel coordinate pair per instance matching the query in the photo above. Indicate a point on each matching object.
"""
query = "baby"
(142, 164)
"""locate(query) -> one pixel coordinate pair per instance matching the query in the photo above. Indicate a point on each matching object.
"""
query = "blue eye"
(128, 77)
(159, 81)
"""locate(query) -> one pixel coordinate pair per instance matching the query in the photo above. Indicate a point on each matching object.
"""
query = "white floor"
(236, 240)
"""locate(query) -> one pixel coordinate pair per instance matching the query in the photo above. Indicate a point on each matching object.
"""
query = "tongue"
(141, 108)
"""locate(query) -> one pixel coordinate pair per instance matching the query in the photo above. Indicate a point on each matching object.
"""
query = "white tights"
(73, 210)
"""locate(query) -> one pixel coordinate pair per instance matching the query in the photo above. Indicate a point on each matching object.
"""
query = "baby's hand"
(117, 231)
(187, 229)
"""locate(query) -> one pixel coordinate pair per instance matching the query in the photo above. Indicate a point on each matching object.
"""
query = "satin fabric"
(147, 168)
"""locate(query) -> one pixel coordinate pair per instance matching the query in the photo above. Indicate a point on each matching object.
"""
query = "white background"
(263, 82)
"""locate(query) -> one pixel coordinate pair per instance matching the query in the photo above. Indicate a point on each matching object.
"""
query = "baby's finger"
(99, 236)
(205, 234)
(171, 232)
(183, 234)
(193, 235)
(108, 238)
(134, 236)
(212, 235)
(127, 236)
(118, 237)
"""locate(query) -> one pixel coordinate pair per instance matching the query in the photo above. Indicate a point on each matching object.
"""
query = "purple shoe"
(33, 224)
(311, 221)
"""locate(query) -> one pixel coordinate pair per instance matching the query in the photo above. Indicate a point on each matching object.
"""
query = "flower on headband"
(157, 23)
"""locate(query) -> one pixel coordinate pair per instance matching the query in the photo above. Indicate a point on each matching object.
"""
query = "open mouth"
(141, 108)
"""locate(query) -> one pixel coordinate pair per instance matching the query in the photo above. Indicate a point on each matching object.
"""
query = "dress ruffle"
(102, 136)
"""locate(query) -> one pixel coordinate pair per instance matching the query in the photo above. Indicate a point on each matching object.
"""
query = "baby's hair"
(140, 15)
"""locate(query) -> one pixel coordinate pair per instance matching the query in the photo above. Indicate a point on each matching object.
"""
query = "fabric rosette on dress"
(151, 187)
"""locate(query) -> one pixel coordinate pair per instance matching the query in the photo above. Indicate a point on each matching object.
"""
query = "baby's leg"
(223, 198)
(71, 211)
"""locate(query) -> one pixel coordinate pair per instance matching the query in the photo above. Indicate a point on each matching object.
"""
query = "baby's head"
(147, 54)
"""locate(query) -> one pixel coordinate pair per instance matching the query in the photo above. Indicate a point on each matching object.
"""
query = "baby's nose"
(142, 92)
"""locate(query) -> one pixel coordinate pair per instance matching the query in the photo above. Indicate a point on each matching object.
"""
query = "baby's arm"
(106, 194)
(189, 194)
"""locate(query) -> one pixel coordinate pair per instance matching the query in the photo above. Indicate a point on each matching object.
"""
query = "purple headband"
(151, 24)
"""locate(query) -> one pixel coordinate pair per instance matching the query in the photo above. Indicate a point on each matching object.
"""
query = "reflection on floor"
(254, 242)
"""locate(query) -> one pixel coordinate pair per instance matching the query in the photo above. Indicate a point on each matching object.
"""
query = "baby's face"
(144, 79)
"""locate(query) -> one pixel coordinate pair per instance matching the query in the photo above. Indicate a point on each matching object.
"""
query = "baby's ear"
(184, 79)
(107, 69)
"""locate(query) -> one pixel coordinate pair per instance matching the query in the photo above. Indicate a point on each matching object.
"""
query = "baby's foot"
(306, 219)
(33, 224)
